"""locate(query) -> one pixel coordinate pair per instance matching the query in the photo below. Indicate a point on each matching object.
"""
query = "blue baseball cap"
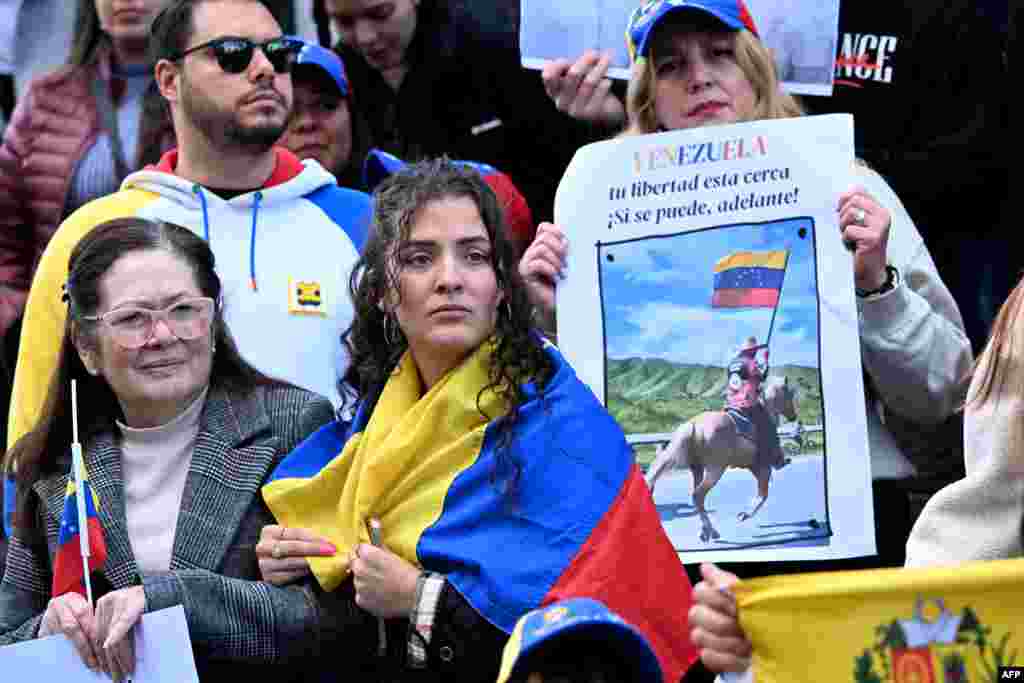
(313, 55)
(380, 164)
(733, 13)
(578, 618)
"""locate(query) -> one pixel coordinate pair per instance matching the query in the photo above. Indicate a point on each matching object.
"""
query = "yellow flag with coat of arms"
(938, 625)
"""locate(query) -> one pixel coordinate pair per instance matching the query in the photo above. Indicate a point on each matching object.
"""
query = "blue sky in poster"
(657, 297)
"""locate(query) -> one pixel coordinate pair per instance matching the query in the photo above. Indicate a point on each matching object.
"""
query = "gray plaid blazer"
(235, 620)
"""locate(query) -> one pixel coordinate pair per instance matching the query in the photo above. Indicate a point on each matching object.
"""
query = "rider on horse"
(743, 402)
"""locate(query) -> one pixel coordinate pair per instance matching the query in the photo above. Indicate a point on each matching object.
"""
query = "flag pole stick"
(78, 466)
(775, 310)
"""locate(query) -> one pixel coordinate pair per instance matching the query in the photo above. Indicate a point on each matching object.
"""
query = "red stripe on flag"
(67, 562)
(638, 576)
(744, 298)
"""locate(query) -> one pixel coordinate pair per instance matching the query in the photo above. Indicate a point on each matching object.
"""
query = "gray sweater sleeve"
(241, 619)
(913, 342)
(24, 592)
(237, 619)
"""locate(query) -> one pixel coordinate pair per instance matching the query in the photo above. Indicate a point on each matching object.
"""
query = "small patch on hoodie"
(306, 297)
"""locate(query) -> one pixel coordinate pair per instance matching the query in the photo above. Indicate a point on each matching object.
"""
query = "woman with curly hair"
(498, 481)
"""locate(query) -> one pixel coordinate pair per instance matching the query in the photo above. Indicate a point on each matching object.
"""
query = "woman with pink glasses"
(179, 433)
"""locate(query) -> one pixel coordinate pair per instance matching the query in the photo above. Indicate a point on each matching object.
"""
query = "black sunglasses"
(234, 54)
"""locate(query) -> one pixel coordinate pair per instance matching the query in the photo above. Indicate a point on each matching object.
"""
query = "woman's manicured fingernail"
(328, 548)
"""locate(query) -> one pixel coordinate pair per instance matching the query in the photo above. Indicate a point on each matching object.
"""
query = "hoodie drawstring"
(252, 240)
(198, 189)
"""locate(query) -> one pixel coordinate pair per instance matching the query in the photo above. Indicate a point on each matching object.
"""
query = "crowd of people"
(293, 326)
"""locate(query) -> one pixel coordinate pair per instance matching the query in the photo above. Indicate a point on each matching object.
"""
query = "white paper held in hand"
(163, 654)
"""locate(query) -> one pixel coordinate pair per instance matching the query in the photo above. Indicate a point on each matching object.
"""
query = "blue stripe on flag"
(480, 545)
(69, 522)
(313, 454)
(750, 278)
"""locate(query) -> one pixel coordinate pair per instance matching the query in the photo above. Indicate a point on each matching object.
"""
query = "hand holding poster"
(725, 307)
(802, 35)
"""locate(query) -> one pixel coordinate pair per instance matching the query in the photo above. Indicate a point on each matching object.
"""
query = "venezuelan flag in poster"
(942, 625)
(749, 279)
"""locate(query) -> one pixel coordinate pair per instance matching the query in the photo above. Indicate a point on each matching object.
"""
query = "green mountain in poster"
(652, 395)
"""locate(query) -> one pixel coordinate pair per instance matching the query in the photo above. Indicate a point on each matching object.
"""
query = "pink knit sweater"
(52, 127)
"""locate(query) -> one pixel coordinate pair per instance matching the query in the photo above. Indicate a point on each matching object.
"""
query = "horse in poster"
(710, 442)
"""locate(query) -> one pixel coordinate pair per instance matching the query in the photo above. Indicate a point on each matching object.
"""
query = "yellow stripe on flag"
(399, 469)
(72, 488)
(752, 259)
(886, 625)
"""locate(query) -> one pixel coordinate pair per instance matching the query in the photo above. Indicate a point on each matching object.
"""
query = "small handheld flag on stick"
(79, 467)
(72, 566)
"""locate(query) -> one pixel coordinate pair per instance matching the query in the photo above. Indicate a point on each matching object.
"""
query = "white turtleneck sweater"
(155, 462)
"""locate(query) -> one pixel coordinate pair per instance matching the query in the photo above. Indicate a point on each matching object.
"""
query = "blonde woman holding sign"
(702, 64)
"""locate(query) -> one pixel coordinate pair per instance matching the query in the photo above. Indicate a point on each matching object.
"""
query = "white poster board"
(802, 34)
(163, 654)
(647, 323)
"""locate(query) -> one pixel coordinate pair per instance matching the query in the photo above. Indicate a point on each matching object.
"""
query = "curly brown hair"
(375, 350)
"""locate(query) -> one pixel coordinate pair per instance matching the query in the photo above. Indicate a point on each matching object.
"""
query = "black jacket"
(924, 83)
(467, 96)
(928, 87)
(464, 646)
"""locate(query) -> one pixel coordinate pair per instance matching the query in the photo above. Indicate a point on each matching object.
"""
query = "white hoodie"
(296, 239)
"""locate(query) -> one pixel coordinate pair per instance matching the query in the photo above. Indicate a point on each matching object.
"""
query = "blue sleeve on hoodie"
(9, 505)
(349, 209)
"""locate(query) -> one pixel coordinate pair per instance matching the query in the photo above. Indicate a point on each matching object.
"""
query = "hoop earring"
(508, 310)
(389, 333)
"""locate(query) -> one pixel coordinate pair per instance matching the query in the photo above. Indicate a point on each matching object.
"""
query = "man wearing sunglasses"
(280, 229)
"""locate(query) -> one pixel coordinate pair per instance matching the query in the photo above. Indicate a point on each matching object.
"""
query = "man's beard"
(223, 127)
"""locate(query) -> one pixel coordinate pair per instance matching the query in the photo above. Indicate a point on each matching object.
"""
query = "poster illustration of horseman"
(718, 404)
(709, 305)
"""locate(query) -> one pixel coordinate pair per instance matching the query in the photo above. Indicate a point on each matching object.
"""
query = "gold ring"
(859, 215)
(277, 550)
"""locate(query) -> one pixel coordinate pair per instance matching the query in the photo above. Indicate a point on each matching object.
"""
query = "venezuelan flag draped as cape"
(566, 513)
(886, 625)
